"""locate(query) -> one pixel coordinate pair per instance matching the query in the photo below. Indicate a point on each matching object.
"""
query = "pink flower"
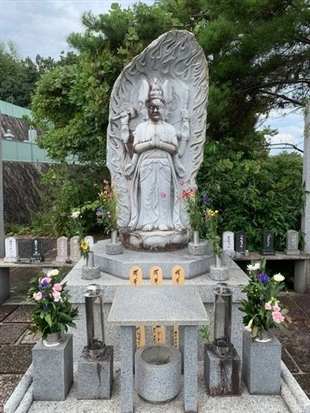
(276, 308)
(57, 287)
(277, 317)
(38, 296)
(267, 306)
(56, 296)
(163, 194)
(248, 328)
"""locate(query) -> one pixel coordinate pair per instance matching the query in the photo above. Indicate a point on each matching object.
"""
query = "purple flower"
(263, 278)
(99, 211)
(206, 199)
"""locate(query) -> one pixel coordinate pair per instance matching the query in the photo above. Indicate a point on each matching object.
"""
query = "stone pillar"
(4, 272)
(127, 363)
(52, 370)
(190, 369)
(305, 220)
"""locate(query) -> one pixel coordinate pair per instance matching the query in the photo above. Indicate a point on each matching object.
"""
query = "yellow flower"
(84, 245)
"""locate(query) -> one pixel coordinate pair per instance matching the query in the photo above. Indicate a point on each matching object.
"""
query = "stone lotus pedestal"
(261, 365)
(158, 372)
(52, 370)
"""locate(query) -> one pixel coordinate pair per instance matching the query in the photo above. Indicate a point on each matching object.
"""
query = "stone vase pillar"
(261, 365)
(218, 272)
(52, 370)
(114, 246)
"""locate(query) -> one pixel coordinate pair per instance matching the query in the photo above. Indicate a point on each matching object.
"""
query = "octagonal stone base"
(120, 265)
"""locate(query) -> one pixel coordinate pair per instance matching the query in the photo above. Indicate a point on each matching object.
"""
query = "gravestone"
(292, 242)
(62, 249)
(11, 250)
(268, 241)
(228, 242)
(75, 253)
(155, 140)
(90, 241)
(36, 250)
(240, 243)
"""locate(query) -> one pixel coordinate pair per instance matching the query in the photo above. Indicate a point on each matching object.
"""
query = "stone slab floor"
(16, 343)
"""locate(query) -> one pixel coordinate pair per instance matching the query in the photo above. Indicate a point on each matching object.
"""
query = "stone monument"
(155, 140)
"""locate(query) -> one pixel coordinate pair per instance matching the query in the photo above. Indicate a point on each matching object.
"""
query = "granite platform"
(291, 400)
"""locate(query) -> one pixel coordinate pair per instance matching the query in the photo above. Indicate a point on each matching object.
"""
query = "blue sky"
(42, 26)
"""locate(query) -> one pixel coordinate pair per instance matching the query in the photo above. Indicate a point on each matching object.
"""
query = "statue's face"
(155, 108)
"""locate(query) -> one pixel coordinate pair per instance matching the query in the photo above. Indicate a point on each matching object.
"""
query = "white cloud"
(290, 127)
(42, 26)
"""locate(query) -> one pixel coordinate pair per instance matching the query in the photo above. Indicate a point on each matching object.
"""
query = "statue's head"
(155, 102)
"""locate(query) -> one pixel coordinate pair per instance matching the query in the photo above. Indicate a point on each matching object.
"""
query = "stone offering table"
(164, 305)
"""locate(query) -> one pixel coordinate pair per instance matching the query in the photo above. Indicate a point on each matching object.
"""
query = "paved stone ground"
(16, 343)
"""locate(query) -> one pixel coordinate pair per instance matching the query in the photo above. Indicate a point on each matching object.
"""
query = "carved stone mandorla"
(155, 140)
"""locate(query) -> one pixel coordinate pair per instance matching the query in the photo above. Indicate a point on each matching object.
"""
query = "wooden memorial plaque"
(156, 275)
(135, 278)
(178, 278)
(159, 334)
(135, 275)
(178, 275)
(156, 278)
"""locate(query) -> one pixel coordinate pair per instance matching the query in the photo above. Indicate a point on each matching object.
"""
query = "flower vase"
(54, 339)
(196, 247)
(114, 246)
(196, 239)
(218, 272)
(114, 237)
(52, 369)
(218, 261)
(264, 336)
(261, 365)
(90, 271)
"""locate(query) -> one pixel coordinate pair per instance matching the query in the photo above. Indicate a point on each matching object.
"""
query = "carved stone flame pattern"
(176, 60)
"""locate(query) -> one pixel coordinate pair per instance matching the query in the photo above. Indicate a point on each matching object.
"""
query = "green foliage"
(254, 194)
(258, 56)
(206, 334)
(18, 77)
(53, 311)
(66, 193)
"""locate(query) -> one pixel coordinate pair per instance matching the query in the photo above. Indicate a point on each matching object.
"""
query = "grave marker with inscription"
(292, 242)
(268, 241)
(228, 241)
(75, 253)
(90, 241)
(62, 249)
(11, 250)
(36, 248)
(240, 243)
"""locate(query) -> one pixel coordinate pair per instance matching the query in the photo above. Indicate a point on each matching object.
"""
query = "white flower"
(75, 214)
(254, 267)
(278, 277)
(52, 273)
